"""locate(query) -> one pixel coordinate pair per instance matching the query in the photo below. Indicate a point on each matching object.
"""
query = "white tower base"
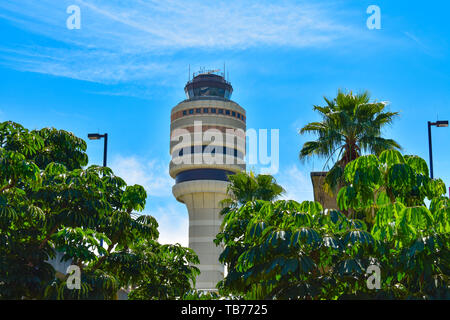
(202, 198)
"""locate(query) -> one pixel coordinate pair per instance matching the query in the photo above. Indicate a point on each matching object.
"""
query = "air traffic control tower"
(207, 144)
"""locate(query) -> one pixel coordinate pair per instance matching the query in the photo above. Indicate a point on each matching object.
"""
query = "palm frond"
(348, 119)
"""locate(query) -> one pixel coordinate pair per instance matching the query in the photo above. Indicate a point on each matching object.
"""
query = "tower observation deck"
(207, 144)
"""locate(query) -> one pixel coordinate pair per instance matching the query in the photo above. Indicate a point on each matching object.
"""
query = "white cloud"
(135, 40)
(297, 184)
(173, 220)
(429, 50)
(157, 25)
(222, 24)
(153, 174)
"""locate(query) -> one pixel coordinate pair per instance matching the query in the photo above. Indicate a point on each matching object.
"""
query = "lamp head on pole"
(95, 136)
(442, 123)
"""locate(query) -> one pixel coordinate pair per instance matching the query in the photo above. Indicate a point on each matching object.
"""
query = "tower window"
(213, 110)
(233, 114)
(205, 110)
(221, 111)
(184, 112)
(198, 110)
(227, 112)
(239, 115)
(191, 111)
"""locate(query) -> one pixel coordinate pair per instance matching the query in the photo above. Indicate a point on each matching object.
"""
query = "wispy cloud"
(421, 45)
(152, 174)
(134, 40)
(173, 221)
(297, 184)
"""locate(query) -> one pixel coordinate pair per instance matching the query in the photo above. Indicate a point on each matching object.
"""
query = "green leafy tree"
(245, 187)
(290, 250)
(203, 295)
(350, 125)
(49, 203)
(294, 251)
(373, 181)
(169, 271)
(413, 239)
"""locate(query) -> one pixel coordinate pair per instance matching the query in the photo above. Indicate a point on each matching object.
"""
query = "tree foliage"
(50, 203)
(290, 250)
(374, 182)
(169, 271)
(246, 187)
(350, 126)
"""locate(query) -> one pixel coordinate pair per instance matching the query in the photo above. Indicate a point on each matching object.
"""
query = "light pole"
(437, 124)
(97, 136)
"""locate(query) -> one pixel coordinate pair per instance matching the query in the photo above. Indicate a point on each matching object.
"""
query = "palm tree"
(350, 126)
(245, 187)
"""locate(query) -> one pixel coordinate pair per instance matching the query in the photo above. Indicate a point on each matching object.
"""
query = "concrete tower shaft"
(207, 144)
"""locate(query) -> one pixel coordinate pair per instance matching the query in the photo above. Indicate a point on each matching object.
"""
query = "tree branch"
(102, 259)
(9, 186)
(52, 231)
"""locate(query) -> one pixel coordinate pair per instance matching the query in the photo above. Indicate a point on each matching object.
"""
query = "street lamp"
(437, 124)
(96, 136)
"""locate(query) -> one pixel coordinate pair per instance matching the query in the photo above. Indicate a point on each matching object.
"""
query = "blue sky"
(124, 70)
